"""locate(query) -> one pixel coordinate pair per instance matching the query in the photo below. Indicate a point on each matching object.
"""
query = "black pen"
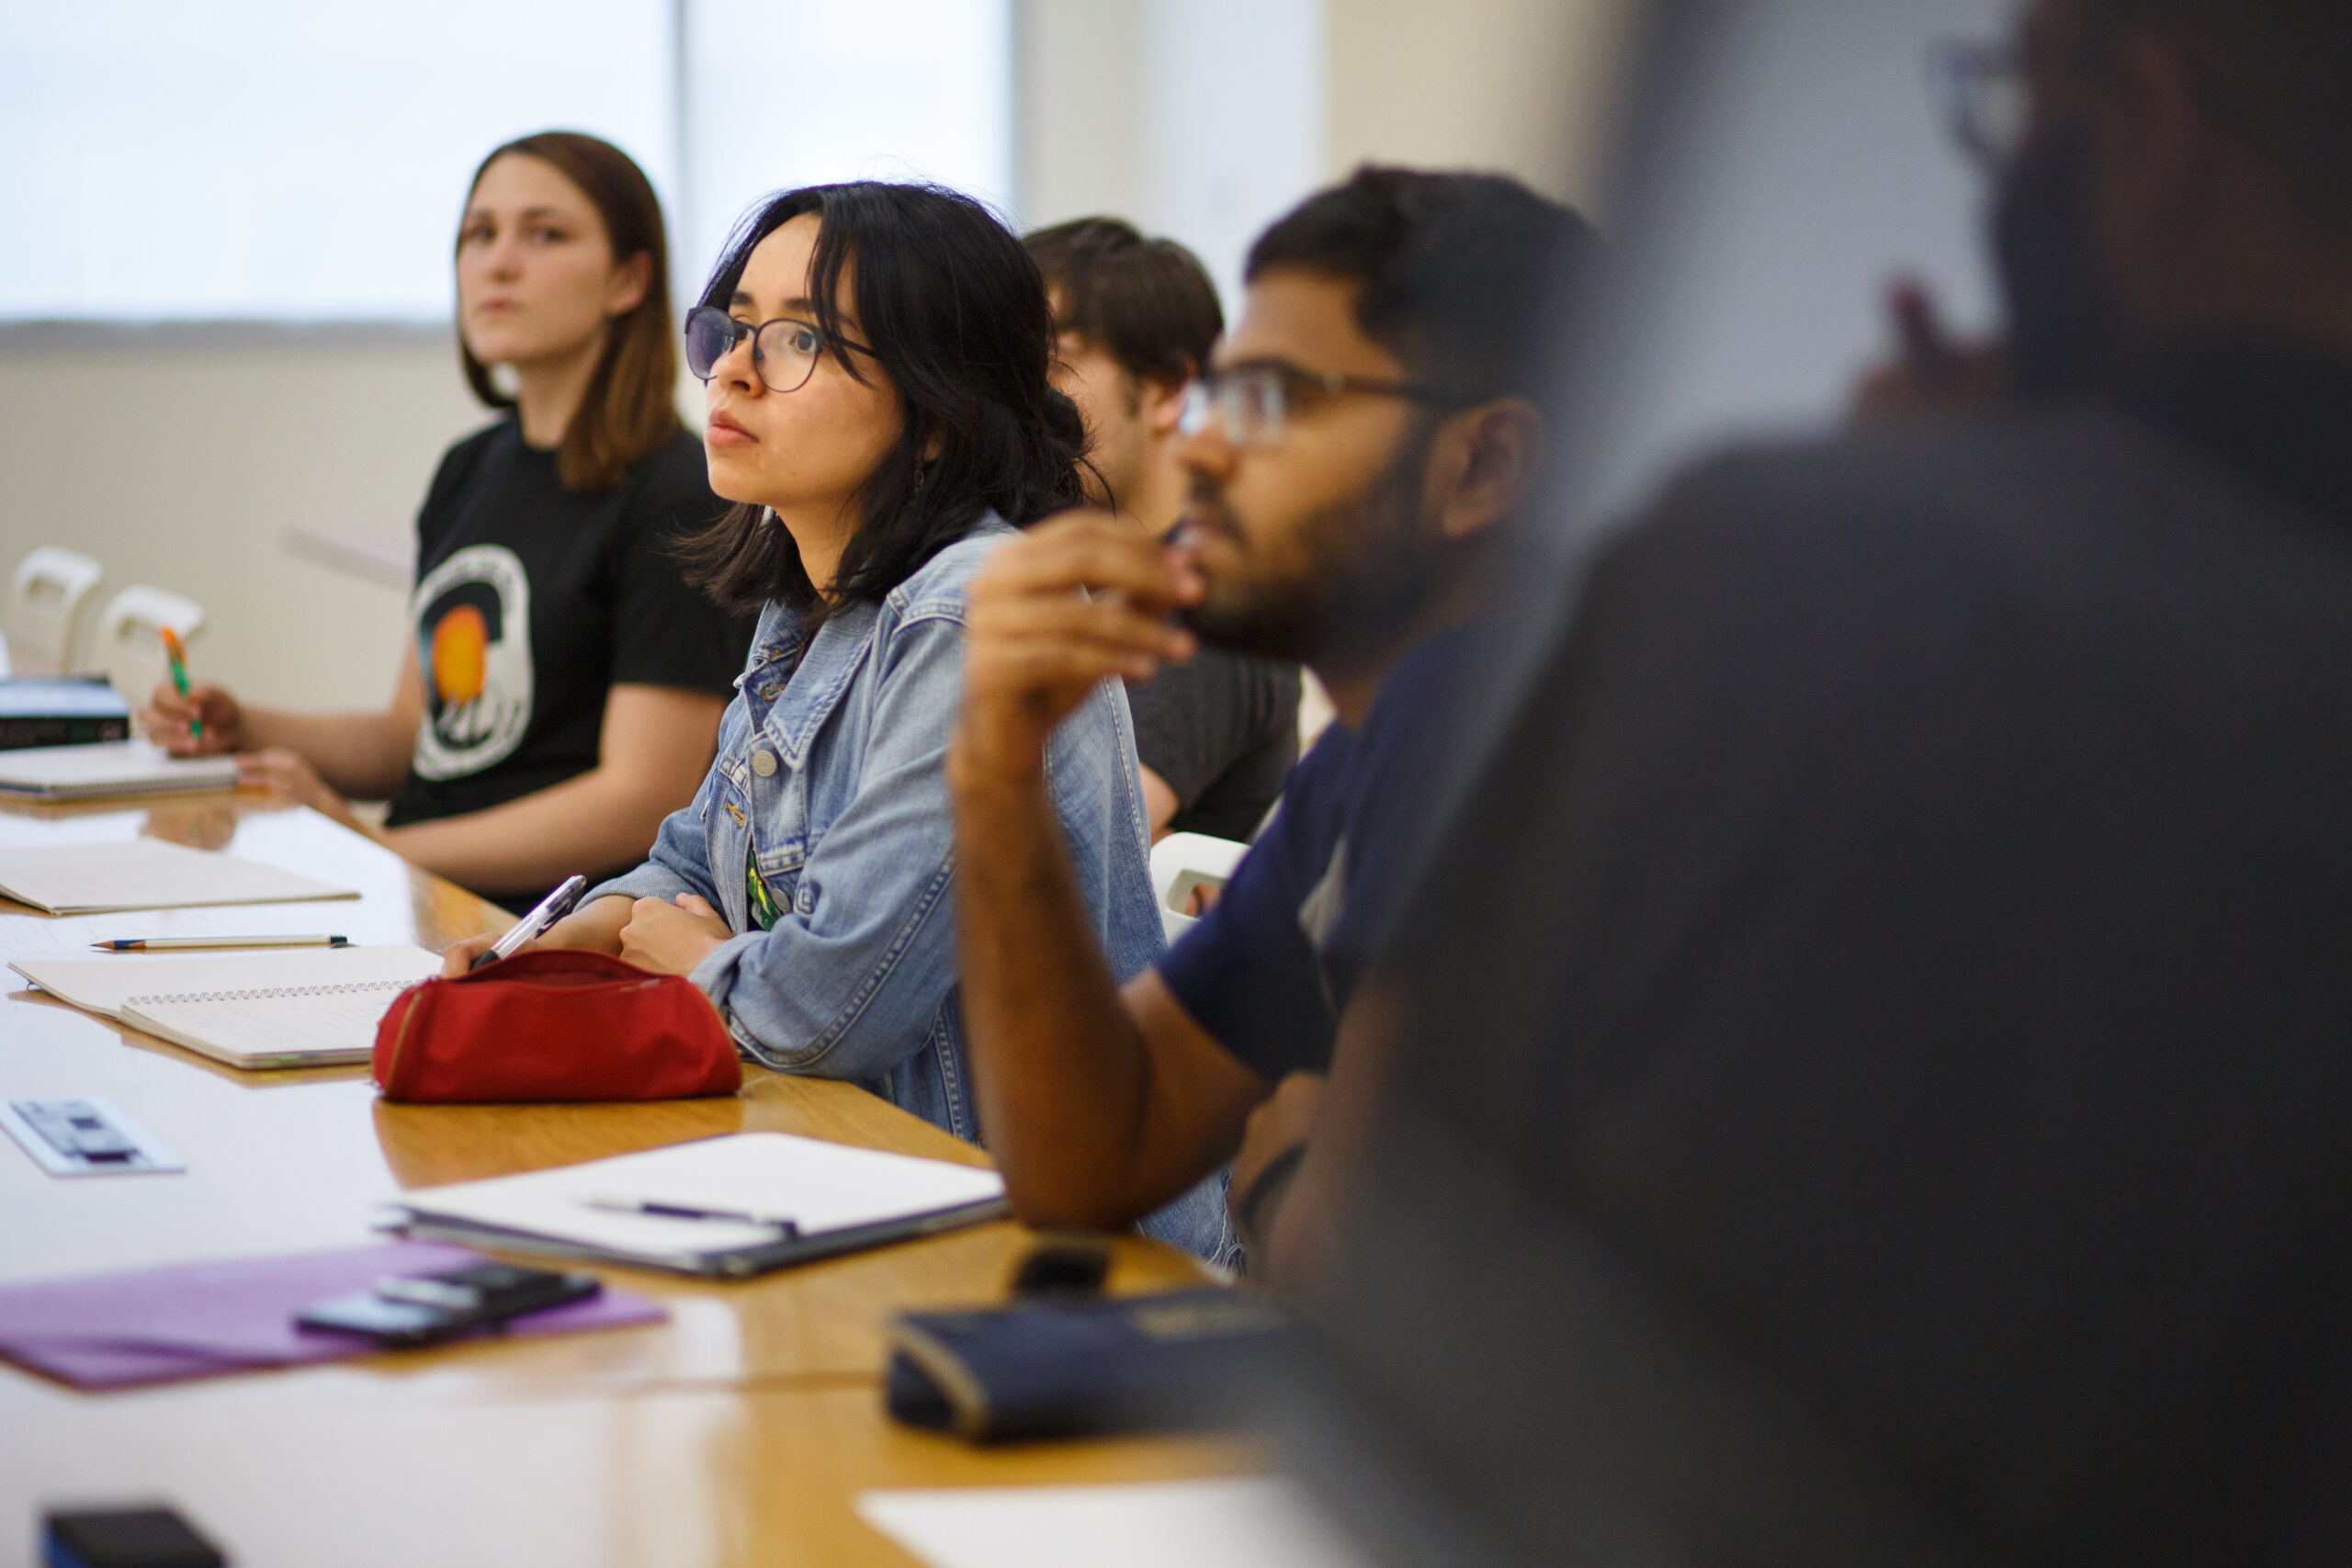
(662, 1211)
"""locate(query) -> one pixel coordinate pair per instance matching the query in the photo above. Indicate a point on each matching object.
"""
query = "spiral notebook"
(281, 1010)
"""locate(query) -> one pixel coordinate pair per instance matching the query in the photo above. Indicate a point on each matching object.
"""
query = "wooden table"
(738, 1432)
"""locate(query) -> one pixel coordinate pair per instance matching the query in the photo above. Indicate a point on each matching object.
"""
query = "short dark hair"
(626, 413)
(1462, 275)
(1147, 303)
(2280, 70)
(954, 311)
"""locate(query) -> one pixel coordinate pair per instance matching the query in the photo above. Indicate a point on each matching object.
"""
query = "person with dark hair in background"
(1896, 969)
(563, 683)
(1134, 320)
(876, 359)
(1376, 415)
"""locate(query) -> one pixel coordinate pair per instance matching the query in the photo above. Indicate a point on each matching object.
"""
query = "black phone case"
(366, 1314)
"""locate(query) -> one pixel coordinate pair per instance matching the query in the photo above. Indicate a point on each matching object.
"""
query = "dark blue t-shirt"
(1269, 968)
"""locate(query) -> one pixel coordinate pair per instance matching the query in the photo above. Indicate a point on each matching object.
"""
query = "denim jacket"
(832, 772)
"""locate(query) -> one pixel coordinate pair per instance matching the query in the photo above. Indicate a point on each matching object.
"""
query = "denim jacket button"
(764, 763)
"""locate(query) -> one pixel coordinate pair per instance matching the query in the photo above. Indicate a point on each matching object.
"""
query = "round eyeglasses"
(784, 351)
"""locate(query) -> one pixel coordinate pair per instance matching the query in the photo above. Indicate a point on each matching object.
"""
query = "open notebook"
(146, 874)
(311, 1007)
(103, 768)
(734, 1205)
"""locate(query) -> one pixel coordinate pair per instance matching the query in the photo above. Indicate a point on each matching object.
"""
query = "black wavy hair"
(954, 311)
(1462, 275)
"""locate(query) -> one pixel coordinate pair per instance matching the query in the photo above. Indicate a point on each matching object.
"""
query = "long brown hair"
(627, 412)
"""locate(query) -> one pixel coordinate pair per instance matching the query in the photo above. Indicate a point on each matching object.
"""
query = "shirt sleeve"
(1191, 722)
(666, 632)
(1246, 972)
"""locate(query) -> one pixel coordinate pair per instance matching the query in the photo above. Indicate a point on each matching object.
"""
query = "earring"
(921, 473)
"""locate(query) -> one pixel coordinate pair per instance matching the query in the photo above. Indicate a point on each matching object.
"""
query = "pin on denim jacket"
(832, 771)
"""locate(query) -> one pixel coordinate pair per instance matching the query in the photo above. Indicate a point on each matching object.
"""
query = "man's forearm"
(1060, 1066)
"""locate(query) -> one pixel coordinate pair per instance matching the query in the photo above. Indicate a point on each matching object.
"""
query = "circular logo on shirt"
(473, 635)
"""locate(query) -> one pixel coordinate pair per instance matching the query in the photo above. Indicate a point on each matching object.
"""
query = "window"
(276, 160)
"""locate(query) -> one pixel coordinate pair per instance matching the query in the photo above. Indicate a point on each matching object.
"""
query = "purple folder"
(197, 1320)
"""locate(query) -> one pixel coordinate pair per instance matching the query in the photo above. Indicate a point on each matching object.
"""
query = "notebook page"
(103, 984)
(146, 874)
(251, 1026)
(818, 1186)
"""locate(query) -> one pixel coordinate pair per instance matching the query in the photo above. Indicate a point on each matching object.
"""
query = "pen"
(687, 1212)
(164, 943)
(552, 907)
(178, 653)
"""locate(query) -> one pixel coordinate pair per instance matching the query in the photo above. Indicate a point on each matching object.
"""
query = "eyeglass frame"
(1203, 396)
(1963, 74)
(741, 329)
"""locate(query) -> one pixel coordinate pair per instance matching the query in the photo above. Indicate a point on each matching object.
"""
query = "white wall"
(182, 457)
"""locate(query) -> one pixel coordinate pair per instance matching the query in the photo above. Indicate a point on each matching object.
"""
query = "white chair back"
(1182, 862)
(131, 638)
(47, 594)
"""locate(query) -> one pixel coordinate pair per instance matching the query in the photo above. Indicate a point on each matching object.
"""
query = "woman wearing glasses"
(874, 358)
(562, 685)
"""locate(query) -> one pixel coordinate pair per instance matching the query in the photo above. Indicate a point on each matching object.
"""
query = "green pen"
(177, 654)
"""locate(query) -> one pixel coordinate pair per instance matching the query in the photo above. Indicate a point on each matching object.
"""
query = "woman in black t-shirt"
(562, 685)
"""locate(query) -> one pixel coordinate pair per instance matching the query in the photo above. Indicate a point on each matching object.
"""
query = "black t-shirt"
(533, 601)
(1220, 731)
(1269, 970)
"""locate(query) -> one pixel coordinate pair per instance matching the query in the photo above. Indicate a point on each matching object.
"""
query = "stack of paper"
(146, 874)
(1251, 1521)
(109, 768)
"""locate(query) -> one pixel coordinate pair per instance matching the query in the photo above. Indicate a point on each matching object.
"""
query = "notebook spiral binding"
(343, 989)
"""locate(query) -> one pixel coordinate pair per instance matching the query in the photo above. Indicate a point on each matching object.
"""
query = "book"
(102, 985)
(288, 1026)
(315, 1008)
(109, 768)
(730, 1206)
(61, 710)
(146, 874)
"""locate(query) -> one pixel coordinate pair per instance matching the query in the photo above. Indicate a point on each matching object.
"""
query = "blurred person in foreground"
(1134, 322)
(1368, 425)
(1896, 969)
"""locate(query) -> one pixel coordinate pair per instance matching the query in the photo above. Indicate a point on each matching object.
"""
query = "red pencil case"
(560, 1024)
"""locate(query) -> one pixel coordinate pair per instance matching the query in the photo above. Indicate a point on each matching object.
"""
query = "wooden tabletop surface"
(737, 1432)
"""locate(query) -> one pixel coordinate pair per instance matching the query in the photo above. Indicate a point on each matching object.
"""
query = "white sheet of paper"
(1251, 1521)
(146, 874)
(101, 984)
(818, 1186)
(109, 767)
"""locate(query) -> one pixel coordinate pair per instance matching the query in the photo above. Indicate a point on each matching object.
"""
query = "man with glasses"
(1895, 970)
(1375, 414)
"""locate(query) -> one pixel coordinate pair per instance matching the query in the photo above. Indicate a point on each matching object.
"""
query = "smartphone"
(419, 1308)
